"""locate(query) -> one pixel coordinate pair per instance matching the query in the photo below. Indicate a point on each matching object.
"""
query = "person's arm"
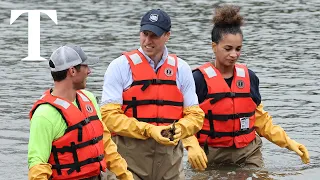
(112, 114)
(274, 133)
(193, 115)
(115, 163)
(42, 134)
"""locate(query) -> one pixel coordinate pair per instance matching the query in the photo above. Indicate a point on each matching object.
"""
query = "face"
(153, 45)
(228, 49)
(79, 77)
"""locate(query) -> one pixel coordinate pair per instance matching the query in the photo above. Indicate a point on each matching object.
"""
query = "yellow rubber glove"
(155, 133)
(115, 163)
(191, 122)
(177, 133)
(116, 121)
(196, 156)
(40, 172)
(300, 149)
(277, 135)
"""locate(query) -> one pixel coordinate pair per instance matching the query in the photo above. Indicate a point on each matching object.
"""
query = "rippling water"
(282, 40)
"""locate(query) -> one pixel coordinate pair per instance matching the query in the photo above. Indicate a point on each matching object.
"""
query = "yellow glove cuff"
(190, 142)
(40, 171)
(192, 121)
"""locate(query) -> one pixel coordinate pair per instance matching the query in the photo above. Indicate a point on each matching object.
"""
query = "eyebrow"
(231, 46)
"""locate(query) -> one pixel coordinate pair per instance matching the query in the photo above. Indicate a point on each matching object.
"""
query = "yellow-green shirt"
(46, 126)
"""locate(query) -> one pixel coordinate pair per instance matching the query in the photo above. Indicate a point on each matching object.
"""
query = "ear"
(168, 36)
(214, 47)
(72, 71)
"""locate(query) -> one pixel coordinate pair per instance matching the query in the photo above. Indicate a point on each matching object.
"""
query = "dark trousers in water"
(149, 160)
(249, 156)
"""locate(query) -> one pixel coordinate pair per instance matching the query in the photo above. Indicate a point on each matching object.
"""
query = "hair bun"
(227, 15)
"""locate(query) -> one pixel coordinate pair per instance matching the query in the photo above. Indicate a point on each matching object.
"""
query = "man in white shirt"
(145, 92)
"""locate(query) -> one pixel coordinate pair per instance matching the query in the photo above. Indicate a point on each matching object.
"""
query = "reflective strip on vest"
(62, 103)
(135, 58)
(240, 72)
(171, 61)
(84, 98)
(42, 96)
(210, 72)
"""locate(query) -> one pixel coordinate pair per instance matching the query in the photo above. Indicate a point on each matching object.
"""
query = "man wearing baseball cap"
(67, 138)
(148, 91)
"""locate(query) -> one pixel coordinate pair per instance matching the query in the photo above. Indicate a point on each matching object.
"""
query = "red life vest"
(229, 112)
(153, 98)
(79, 153)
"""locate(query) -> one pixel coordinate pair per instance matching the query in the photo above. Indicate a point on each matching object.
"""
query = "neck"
(225, 71)
(64, 90)
(156, 59)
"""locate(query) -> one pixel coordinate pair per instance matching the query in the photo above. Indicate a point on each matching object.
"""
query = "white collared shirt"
(118, 77)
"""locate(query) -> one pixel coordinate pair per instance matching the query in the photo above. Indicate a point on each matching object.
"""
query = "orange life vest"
(79, 153)
(229, 112)
(153, 97)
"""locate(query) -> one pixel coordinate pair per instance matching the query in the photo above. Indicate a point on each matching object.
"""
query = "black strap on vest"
(213, 134)
(147, 83)
(72, 167)
(78, 146)
(218, 96)
(73, 149)
(56, 159)
(156, 120)
(231, 134)
(226, 117)
(80, 125)
(134, 103)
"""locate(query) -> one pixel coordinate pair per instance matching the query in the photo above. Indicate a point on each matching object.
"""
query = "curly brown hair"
(226, 20)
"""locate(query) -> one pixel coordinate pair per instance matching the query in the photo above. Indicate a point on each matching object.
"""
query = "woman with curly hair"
(228, 93)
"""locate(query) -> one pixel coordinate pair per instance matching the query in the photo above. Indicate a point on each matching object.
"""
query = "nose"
(89, 71)
(235, 54)
(148, 39)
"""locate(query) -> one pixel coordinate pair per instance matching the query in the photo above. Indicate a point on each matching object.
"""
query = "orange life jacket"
(229, 112)
(153, 97)
(79, 153)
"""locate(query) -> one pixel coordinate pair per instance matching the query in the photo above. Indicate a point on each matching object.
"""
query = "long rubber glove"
(277, 135)
(116, 121)
(190, 124)
(196, 156)
(40, 172)
(115, 163)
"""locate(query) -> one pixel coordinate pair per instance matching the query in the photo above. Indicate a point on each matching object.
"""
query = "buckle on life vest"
(155, 81)
(231, 94)
(94, 140)
(100, 157)
(85, 121)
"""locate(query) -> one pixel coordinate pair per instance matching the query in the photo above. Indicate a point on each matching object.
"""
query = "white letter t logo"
(33, 30)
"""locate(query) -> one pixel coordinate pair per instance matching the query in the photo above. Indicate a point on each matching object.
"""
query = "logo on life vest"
(89, 108)
(168, 71)
(240, 84)
(153, 17)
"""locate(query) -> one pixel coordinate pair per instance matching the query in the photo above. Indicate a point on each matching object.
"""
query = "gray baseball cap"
(68, 56)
